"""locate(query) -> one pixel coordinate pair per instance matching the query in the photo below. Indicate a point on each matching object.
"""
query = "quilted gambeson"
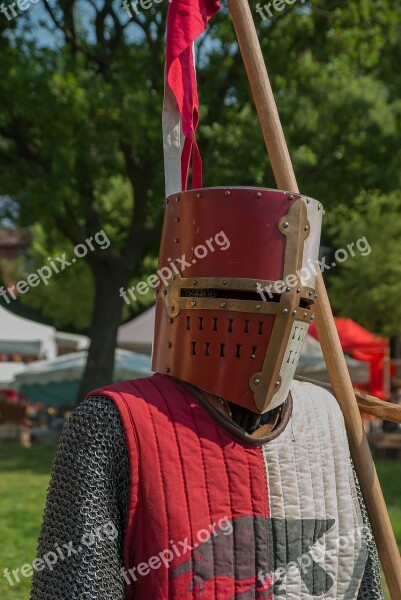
(215, 518)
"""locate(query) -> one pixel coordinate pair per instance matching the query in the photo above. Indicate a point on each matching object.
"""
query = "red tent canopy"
(361, 344)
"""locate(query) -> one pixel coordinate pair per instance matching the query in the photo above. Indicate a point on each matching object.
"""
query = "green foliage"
(68, 296)
(80, 123)
(368, 288)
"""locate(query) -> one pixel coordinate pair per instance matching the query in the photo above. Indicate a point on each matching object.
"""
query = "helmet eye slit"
(226, 294)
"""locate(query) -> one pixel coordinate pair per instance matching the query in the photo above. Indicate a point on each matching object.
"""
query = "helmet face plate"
(233, 315)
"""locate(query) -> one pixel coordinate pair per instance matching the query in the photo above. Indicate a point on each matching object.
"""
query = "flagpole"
(328, 336)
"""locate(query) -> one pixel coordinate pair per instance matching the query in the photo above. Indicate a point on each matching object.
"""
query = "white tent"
(56, 382)
(24, 337)
(312, 364)
(137, 334)
(8, 370)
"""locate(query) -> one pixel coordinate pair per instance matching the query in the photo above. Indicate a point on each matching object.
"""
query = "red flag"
(186, 21)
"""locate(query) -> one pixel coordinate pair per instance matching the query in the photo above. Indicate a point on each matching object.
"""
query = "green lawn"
(24, 476)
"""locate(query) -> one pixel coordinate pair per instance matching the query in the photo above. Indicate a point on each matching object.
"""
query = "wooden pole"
(328, 336)
(369, 405)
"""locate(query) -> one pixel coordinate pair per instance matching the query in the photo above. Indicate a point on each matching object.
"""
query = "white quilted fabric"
(310, 477)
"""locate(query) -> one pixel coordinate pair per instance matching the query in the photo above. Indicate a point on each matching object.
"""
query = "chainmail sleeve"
(371, 587)
(80, 546)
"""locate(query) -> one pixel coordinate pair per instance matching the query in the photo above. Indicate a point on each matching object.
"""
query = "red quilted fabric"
(198, 522)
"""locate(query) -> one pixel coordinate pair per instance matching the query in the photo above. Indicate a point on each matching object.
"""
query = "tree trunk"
(106, 319)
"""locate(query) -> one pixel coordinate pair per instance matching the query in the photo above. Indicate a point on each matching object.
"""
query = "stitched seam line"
(207, 492)
(182, 474)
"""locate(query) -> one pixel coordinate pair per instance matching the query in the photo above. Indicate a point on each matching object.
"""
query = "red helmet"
(237, 275)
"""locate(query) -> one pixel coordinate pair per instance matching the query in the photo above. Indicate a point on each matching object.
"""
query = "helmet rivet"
(224, 282)
(193, 303)
(316, 296)
(310, 293)
(298, 290)
(256, 381)
(288, 289)
(312, 317)
(277, 384)
(177, 240)
(228, 193)
(285, 311)
(168, 369)
(177, 219)
(194, 282)
(294, 312)
(199, 195)
(169, 345)
(258, 195)
(291, 197)
(258, 307)
(305, 315)
(223, 304)
(177, 198)
(286, 224)
(306, 227)
(320, 207)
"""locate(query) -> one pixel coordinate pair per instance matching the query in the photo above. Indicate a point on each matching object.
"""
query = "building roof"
(15, 237)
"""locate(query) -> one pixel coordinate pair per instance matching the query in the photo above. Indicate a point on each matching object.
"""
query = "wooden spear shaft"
(328, 336)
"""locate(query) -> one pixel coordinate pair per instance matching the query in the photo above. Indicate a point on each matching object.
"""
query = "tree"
(367, 287)
(80, 131)
(75, 134)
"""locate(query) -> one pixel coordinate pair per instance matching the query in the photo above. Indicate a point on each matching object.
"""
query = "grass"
(24, 476)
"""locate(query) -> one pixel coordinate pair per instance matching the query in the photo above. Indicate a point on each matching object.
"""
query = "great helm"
(237, 284)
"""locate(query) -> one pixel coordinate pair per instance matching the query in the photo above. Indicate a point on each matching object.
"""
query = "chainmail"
(371, 587)
(89, 489)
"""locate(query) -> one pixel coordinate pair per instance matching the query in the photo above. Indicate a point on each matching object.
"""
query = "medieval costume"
(220, 477)
(214, 489)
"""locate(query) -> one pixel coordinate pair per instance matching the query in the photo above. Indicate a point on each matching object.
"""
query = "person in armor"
(220, 477)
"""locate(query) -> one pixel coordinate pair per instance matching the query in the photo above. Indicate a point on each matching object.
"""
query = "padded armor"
(92, 464)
